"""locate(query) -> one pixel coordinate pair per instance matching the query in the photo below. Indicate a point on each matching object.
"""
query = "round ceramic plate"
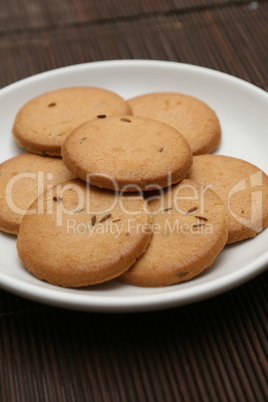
(242, 110)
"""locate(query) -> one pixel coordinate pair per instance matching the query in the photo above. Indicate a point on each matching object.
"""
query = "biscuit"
(242, 187)
(190, 116)
(84, 236)
(43, 123)
(189, 230)
(22, 179)
(129, 152)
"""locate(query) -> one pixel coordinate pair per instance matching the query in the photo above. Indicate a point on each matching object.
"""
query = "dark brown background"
(215, 350)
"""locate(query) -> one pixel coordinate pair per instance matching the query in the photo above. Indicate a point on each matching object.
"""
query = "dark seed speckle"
(191, 210)
(93, 220)
(79, 210)
(167, 209)
(201, 218)
(105, 218)
(57, 198)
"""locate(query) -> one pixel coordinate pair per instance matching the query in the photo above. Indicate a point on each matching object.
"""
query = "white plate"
(243, 112)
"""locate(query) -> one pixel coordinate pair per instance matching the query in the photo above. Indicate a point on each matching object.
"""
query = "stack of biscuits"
(128, 189)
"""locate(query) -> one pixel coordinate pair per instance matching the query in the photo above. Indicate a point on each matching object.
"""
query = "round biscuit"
(84, 235)
(189, 230)
(242, 187)
(127, 152)
(22, 179)
(190, 116)
(43, 123)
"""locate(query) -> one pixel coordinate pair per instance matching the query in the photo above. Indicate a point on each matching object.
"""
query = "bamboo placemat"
(215, 350)
(229, 39)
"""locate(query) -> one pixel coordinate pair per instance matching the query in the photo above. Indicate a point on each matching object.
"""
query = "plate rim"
(139, 62)
(155, 302)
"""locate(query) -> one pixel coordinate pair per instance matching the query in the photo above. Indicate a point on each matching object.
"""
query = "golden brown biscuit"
(242, 187)
(43, 123)
(189, 230)
(192, 117)
(84, 235)
(129, 152)
(22, 179)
